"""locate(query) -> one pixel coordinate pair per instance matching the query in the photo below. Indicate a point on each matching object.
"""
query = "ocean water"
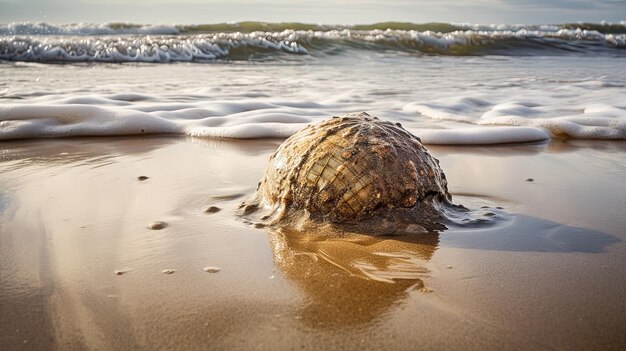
(457, 84)
(546, 273)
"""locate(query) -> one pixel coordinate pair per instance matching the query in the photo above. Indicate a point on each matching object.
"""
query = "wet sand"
(73, 213)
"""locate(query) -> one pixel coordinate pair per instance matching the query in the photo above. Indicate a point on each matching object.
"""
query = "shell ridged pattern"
(348, 169)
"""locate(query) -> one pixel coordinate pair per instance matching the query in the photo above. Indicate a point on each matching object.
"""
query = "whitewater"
(447, 83)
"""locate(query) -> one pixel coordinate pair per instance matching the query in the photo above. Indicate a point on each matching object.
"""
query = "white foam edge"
(481, 135)
(53, 121)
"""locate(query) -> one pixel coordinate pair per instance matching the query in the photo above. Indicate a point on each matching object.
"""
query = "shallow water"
(444, 100)
(73, 212)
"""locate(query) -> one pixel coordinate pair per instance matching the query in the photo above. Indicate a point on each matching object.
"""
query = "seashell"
(348, 170)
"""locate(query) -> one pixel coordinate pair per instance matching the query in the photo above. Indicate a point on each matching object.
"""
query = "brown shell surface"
(349, 169)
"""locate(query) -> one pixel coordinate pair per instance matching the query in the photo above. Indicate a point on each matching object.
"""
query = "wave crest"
(120, 28)
(261, 45)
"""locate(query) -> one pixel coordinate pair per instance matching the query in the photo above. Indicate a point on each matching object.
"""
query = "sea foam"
(45, 121)
(593, 122)
(443, 100)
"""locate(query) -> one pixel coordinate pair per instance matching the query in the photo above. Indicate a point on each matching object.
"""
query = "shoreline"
(551, 277)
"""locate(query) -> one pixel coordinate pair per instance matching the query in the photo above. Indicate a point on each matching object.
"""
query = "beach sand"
(79, 267)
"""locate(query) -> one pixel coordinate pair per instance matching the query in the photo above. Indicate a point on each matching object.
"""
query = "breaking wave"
(41, 42)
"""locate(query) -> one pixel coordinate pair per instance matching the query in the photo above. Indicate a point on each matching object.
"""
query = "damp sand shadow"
(531, 234)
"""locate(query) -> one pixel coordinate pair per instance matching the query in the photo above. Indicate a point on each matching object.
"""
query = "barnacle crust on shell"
(348, 171)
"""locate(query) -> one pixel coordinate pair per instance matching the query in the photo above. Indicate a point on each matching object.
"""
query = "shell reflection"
(352, 278)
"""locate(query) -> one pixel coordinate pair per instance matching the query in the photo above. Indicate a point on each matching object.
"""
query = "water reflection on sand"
(354, 278)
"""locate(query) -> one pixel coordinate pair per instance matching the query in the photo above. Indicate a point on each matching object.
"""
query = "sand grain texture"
(72, 212)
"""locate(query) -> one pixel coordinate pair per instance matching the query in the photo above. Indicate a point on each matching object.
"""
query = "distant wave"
(41, 42)
(274, 45)
(42, 28)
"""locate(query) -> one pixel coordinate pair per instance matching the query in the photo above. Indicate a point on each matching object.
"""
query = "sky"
(313, 11)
